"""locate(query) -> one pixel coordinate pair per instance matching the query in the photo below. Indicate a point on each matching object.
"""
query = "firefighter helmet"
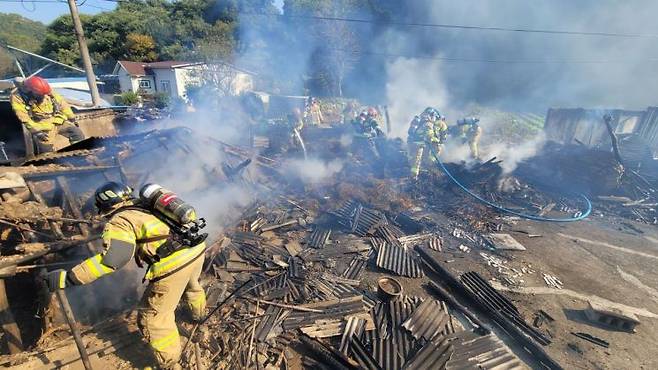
(111, 194)
(37, 86)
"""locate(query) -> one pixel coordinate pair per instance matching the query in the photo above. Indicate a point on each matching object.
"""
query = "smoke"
(534, 71)
(312, 171)
(412, 85)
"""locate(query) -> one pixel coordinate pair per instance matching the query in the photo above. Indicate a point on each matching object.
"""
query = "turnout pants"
(68, 130)
(420, 153)
(156, 318)
(473, 141)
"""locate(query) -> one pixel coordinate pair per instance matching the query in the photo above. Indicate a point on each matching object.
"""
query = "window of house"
(165, 86)
(144, 84)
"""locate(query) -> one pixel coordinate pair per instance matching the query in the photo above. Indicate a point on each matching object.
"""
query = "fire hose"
(579, 217)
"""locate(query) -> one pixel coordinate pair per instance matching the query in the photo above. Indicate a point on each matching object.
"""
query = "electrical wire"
(580, 217)
(500, 61)
(452, 26)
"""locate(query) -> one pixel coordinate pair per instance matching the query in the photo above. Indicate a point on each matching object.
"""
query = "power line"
(500, 61)
(453, 26)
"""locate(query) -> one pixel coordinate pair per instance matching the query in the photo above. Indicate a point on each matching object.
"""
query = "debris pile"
(309, 295)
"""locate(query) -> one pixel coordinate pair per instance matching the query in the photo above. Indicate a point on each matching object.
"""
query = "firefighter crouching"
(470, 132)
(366, 131)
(44, 113)
(426, 132)
(143, 228)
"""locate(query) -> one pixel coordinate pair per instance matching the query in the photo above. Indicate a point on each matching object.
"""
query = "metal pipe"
(43, 58)
(70, 319)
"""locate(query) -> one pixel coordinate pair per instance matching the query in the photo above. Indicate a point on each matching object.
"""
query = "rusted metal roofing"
(430, 320)
(399, 260)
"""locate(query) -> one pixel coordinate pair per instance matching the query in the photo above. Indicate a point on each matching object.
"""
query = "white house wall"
(166, 75)
(186, 76)
(125, 81)
(137, 89)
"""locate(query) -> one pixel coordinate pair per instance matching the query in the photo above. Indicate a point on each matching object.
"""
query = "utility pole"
(86, 60)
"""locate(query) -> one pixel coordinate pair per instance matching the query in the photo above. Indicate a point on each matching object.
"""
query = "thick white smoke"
(412, 85)
(312, 171)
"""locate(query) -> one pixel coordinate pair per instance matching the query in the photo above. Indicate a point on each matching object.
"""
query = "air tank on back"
(168, 203)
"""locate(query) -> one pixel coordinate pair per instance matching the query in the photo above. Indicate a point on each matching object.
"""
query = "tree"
(140, 48)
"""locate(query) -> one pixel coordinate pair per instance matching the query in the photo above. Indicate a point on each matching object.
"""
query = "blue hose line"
(510, 211)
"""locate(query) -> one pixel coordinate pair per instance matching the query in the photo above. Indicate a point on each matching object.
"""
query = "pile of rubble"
(304, 289)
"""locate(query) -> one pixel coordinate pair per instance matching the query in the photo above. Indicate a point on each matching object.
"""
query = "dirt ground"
(600, 258)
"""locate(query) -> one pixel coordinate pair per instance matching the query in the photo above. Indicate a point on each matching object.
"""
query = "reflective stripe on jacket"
(44, 116)
(121, 241)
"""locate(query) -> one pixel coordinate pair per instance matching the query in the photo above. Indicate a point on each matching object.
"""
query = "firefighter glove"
(56, 279)
(41, 136)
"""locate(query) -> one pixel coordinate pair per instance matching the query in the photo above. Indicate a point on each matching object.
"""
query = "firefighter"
(44, 113)
(426, 134)
(313, 112)
(173, 269)
(470, 132)
(296, 124)
(366, 130)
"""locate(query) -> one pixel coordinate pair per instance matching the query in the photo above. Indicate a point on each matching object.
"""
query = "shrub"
(161, 100)
(127, 98)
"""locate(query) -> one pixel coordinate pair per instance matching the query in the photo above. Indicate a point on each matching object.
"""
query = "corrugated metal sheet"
(358, 219)
(430, 320)
(319, 237)
(497, 302)
(648, 129)
(399, 260)
(431, 356)
(363, 355)
(482, 352)
(274, 316)
(435, 244)
(399, 312)
(354, 327)
(331, 309)
(411, 240)
(355, 268)
(389, 233)
(379, 312)
(386, 354)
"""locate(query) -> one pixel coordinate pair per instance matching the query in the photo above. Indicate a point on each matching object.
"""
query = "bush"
(127, 98)
(161, 100)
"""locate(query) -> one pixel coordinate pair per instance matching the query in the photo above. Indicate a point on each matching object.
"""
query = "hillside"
(21, 33)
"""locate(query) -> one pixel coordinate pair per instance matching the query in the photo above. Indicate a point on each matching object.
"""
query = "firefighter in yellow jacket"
(44, 113)
(173, 269)
(470, 132)
(426, 133)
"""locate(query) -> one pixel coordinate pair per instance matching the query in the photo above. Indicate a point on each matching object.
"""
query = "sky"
(46, 11)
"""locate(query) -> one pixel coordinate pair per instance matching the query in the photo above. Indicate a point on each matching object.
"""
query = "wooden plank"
(9, 327)
(54, 226)
(75, 209)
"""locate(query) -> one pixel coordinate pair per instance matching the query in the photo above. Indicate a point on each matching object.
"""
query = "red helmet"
(372, 112)
(37, 86)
